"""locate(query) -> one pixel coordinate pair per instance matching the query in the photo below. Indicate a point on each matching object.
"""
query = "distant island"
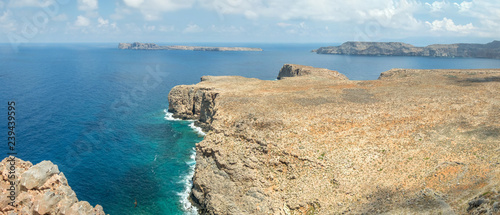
(489, 50)
(152, 46)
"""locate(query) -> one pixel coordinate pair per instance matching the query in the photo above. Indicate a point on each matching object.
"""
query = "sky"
(247, 21)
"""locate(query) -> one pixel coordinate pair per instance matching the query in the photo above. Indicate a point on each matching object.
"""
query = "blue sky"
(289, 21)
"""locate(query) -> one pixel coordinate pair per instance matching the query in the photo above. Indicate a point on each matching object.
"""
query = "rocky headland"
(39, 189)
(489, 50)
(411, 142)
(152, 46)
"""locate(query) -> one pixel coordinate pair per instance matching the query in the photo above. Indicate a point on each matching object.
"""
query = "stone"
(45, 204)
(45, 190)
(37, 175)
(294, 70)
(475, 203)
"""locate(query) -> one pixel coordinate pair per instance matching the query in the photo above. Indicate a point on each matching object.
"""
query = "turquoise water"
(98, 112)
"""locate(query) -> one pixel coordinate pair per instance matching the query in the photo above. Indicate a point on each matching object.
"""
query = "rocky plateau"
(411, 142)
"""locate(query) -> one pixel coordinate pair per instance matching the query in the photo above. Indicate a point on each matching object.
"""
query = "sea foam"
(187, 180)
(197, 129)
(170, 116)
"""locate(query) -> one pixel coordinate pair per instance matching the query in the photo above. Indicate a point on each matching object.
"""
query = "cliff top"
(414, 141)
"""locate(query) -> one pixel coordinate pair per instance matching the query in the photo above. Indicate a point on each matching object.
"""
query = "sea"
(100, 113)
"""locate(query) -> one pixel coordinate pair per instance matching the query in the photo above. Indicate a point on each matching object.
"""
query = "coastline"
(274, 144)
(465, 50)
(187, 206)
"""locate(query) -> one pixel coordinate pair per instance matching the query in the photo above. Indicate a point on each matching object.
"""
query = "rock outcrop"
(293, 70)
(412, 142)
(38, 189)
(152, 46)
(489, 50)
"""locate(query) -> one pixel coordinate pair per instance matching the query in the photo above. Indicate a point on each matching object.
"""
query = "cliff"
(412, 142)
(489, 50)
(152, 46)
(38, 189)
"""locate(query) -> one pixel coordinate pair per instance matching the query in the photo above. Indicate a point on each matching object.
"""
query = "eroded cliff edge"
(489, 50)
(39, 189)
(414, 141)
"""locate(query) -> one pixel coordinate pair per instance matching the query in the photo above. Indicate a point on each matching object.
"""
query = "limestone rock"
(37, 175)
(293, 70)
(39, 189)
(412, 142)
(188, 102)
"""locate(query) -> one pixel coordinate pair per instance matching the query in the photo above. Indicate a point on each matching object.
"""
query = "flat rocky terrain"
(411, 142)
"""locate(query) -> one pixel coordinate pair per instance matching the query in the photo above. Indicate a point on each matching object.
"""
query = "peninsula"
(152, 46)
(314, 142)
(489, 50)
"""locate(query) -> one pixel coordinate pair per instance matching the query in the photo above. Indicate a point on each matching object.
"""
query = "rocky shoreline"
(489, 50)
(414, 141)
(152, 46)
(38, 189)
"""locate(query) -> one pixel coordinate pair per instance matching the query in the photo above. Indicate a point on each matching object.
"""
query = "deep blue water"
(98, 112)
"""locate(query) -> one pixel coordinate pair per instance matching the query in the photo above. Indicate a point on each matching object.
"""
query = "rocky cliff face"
(412, 142)
(38, 189)
(293, 70)
(490, 50)
(152, 46)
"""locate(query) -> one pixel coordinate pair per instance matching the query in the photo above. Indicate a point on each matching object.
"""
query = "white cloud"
(152, 9)
(87, 5)
(7, 24)
(133, 3)
(437, 6)
(102, 22)
(393, 13)
(192, 28)
(464, 6)
(82, 21)
(448, 25)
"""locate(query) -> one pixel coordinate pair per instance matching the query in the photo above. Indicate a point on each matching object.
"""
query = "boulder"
(38, 175)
